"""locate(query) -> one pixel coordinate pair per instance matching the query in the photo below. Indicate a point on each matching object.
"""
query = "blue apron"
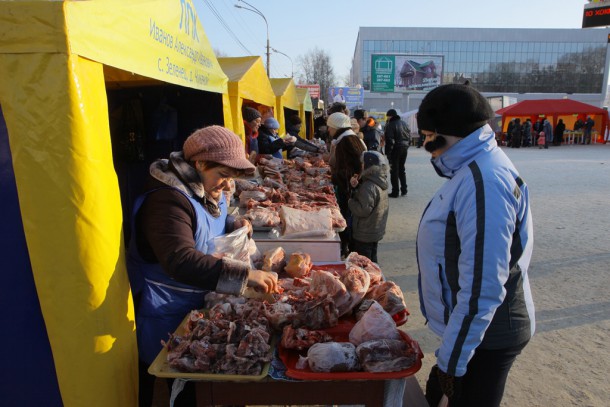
(165, 302)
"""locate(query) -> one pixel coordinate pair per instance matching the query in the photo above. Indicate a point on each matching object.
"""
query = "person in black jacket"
(368, 127)
(397, 140)
(301, 146)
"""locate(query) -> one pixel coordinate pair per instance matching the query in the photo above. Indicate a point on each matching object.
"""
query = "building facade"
(502, 63)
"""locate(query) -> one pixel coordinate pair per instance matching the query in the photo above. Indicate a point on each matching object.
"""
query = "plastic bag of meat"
(274, 260)
(235, 245)
(356, 281)
(244, 185)
(298, 223)
(333, 357)
(385, 355)
(373, 269)
(245, 196)
(389, 295)
(299, 264)
(324, 283)
(374, 324)
(262, 217)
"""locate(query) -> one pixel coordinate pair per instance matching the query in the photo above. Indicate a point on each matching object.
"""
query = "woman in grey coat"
(369, 204)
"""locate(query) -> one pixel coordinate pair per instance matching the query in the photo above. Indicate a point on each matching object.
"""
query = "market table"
(274, 392)
(321, 249)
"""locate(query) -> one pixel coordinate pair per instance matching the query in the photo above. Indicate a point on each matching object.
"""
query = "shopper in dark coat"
(300, 145)
(370, 134)
(397, 141)
(516, 134)
(527, 133)
(346, 149)
(558, 134)
(369, 204)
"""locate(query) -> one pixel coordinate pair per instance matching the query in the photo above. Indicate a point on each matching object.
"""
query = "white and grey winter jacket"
(474, 246)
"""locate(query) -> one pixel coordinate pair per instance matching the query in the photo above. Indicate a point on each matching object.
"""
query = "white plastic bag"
(297, 223)
(376, 323)
(235, 245)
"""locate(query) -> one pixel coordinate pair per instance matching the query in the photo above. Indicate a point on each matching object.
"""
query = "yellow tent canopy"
(54, 58)
(285, 97)
(305, 112)
(248, 81)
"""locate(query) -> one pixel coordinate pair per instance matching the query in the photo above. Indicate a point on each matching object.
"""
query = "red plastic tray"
(340, 333)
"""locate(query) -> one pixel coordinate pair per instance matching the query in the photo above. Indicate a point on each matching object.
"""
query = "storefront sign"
(314, 90)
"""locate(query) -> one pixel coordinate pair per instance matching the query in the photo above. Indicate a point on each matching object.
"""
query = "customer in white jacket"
(474, 246)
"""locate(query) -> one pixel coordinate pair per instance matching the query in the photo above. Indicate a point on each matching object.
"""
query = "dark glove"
(450, 385)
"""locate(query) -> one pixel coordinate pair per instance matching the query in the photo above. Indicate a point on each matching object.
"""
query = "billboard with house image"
(405, 72)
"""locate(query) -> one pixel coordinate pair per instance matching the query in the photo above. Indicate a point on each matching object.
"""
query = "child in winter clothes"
(541, 139)
(369, 204)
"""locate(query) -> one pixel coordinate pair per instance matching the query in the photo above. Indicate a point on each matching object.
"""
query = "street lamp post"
(257, 11)
(291, 64)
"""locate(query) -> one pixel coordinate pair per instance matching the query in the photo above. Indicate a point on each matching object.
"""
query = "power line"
(226, 26)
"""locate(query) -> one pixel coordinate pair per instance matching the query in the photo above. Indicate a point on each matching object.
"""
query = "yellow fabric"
(56, 113)
(247, 81)
(305, 106)
(156, 38)
(45, 30)
(53, 97)
(285, 96)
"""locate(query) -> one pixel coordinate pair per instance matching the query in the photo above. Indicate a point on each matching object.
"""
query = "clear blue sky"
(297, 26)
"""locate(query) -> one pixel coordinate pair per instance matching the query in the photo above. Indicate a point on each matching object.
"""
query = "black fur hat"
(454, 110)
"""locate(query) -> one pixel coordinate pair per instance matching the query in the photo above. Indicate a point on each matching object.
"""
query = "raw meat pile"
(315, 298)
(303, 183)
(350, 288)
(234, 339)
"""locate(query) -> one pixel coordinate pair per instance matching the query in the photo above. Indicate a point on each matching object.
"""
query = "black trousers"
(484, 381)
(345, 236)
(397, 169)
(366, 249)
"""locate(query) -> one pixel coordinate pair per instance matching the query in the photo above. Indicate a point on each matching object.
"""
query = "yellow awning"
(305, 106)
(285, 96)
(247, 81)
(304, 99)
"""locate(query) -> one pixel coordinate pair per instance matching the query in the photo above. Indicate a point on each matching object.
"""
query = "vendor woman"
(169, 266)
(269, 142)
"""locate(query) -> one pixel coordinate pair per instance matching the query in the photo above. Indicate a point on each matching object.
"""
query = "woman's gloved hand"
(450, 385)
(263, 281)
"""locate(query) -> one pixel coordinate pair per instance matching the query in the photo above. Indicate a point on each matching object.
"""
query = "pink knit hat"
(217, 144)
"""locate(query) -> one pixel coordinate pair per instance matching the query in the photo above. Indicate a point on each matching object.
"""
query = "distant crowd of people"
(542, 133)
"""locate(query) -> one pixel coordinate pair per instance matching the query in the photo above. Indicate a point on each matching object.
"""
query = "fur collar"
(178, 173)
